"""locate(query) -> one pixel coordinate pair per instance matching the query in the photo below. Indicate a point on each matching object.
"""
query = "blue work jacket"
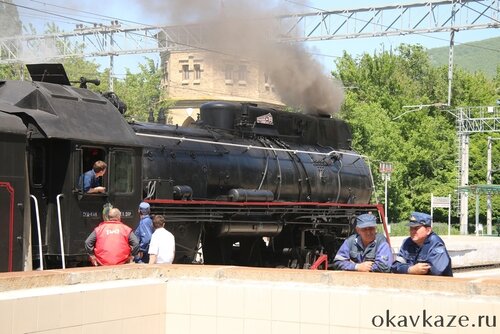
(433, 252)
(352, 252)
(144, 231)
(90, 180)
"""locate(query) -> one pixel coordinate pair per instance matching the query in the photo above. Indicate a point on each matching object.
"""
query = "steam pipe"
(248, 147)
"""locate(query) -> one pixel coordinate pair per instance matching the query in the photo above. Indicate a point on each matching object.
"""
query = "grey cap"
(366, 220)
(144, 208)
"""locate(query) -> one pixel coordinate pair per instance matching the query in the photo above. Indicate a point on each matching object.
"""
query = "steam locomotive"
(242, 185)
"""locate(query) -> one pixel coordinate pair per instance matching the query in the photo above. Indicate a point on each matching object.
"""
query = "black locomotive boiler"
(242, 185)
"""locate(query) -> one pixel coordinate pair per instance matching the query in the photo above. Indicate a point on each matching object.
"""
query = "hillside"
(475, 56)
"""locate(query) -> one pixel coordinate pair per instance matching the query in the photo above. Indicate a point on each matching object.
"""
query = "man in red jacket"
(111, 242)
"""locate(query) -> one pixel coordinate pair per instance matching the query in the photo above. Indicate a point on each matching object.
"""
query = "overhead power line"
(44, 11)
(93, 14)
(421, 18)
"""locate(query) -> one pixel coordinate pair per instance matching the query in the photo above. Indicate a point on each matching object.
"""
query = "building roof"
(480, 189)
(66, 112)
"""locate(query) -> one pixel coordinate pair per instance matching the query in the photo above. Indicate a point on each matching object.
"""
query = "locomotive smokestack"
(320, 113)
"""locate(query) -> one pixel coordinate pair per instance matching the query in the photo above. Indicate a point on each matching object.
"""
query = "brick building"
(194, 77)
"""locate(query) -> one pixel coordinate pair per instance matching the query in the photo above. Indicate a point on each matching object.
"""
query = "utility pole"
(385, 169)
(114, 25)
(107, 42)
(450, 54)
(111, 65)
(463, 156)
(489, 181)
(450, 65)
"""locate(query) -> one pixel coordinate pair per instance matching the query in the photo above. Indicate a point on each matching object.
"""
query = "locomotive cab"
(65, 213)
(65, 130)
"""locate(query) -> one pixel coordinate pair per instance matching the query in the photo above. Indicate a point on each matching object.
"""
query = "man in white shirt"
(162, 245)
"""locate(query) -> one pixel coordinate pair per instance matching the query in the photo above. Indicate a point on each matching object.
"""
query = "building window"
(242, 75)
(229, 74)
(197, 72)
(185, 72)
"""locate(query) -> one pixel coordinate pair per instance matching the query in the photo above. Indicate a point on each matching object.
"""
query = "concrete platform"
(236, 300)
(465, 250)
(480, 274)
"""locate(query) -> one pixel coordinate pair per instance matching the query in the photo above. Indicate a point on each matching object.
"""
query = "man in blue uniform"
(366, 250)
(424, 252)
(144, 231)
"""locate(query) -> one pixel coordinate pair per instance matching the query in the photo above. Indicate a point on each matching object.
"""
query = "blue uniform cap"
(420, 218)
(144, 208)
(366, 220)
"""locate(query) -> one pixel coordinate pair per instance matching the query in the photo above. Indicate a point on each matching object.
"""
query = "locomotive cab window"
(37, 160)
(91, 171)
(122, 171)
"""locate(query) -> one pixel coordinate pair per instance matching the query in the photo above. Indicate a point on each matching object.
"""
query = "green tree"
(421, 142)
(497, 84)
(143, 91)
(10, 26)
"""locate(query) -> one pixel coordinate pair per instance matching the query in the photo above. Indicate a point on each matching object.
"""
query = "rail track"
(476, 268)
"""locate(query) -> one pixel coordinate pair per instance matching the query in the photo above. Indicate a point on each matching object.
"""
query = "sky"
(68, 13)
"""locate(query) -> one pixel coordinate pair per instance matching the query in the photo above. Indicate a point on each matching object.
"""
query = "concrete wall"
(213, 83)
(212, 299)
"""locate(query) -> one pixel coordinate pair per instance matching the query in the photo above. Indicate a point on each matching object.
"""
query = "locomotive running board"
(218, 211)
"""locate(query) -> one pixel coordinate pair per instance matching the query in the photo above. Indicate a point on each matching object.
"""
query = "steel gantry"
(413, 18)
(116, 39)
(477, 190)
(473, 120)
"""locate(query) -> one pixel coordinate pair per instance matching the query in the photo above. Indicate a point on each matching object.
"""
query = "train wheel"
(216, 250)
(187, 237)
(250, 252)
